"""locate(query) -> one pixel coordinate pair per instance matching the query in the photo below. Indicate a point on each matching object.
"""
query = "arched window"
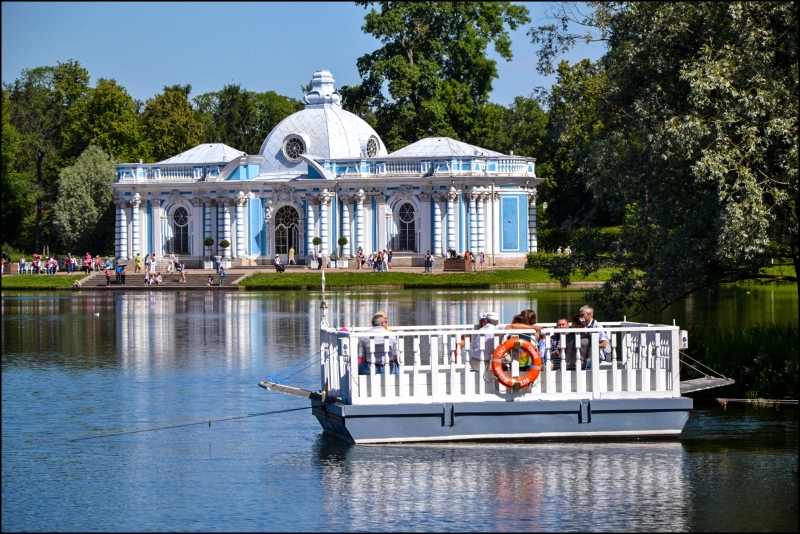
(408, 230)
(286, 230)
(180, 231)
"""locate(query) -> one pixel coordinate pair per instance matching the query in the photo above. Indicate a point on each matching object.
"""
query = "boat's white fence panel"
(434, 365)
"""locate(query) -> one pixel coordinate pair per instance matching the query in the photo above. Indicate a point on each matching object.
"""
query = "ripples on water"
(147, 363)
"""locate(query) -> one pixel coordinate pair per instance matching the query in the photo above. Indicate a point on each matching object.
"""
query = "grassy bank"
(40, 281)
(404, 280)
(762, 359)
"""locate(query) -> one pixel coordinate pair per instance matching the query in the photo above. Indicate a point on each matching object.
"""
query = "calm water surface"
(106, 403)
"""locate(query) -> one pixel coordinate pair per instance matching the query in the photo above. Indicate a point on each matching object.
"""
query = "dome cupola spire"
(322, 93)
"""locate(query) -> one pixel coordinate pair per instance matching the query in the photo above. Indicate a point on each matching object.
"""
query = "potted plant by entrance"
(341, 263)
(223, 245)
(208, 243)
(317, 241)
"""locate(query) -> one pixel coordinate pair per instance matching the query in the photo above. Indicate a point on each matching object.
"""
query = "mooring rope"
(205, 422)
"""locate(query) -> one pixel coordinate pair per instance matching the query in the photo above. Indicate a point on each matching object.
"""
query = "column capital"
(136, 201)
(155, 202)
(360, 196)
(197, 202)
(452, 195)
(325, 197)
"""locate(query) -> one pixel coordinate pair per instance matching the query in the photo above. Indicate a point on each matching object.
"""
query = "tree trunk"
(39, 208)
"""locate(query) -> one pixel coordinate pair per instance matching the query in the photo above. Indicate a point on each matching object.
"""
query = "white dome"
(322, 130)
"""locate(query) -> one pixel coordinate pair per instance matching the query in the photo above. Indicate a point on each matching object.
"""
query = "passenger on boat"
(577, 346)
(483, 345)
(587, 319)
(385, 348)
(556, 350)
(526, 319)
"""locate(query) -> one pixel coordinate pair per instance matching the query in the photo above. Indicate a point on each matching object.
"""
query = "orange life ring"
(512, 381)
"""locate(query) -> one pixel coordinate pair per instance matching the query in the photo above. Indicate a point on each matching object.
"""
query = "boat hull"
(495, 421)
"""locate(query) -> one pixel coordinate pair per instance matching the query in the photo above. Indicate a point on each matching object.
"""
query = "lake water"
(107, 400)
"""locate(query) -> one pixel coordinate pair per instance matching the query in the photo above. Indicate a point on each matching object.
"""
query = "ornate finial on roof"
(322, 91)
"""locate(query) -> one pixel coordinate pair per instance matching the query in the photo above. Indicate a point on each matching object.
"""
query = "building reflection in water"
(156, 326)
(509, 487)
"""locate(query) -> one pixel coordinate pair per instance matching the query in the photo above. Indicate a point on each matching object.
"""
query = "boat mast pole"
(323, 307)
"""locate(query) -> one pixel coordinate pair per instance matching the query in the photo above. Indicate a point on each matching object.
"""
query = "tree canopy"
(433, 64)
(698, 145)
(84, 197)
(170, 124)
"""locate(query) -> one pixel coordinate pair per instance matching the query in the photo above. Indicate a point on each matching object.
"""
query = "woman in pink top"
(87, 263)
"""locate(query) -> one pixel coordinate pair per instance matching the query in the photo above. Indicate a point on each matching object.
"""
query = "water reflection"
(516, 487)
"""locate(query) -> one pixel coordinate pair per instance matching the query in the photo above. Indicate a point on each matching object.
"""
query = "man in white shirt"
(385, 347)
(587, 319)
(483, 345)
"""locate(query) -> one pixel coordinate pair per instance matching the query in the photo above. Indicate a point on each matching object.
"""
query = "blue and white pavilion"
(324, 172)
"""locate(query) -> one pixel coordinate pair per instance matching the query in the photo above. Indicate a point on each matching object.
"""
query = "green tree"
(240, 118)
(574, 124)
(434, 65)
(39, 103)
(170, 126)
(15, 191)
(106, 117)
(699, 142)
(84, 197)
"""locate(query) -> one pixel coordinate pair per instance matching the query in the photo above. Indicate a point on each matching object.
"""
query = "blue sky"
(262, 46)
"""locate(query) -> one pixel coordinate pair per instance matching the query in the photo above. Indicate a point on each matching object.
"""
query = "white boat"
(435, 396)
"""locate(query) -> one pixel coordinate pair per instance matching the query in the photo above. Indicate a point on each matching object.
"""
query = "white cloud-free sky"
(262, 46)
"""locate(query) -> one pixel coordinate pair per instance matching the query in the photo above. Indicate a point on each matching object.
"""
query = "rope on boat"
(715, 373)
(311, 363)
(207, 422)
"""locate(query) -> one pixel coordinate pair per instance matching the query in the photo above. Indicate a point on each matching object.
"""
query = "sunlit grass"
(40, 281)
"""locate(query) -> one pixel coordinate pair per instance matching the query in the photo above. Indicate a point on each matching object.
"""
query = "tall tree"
(170, 125)
(700, 141)
(39, 102)
(434, 65)
(106, 117)
(241, 118)
(15, 186)
(84, 197)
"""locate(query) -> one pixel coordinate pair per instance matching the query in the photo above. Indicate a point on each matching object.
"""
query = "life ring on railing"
(512, 381)
(459, 347)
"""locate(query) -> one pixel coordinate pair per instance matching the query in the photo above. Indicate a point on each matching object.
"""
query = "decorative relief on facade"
(197, 202)
(360, 196)
(452, 195)
(155, 202)
(325, 197)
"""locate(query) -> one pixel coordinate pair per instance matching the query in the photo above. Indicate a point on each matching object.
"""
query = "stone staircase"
(195, 278)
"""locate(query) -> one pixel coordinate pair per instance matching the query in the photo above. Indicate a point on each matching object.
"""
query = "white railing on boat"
(434, 366)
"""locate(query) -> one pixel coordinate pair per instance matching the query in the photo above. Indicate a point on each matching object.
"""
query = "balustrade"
(434, 366)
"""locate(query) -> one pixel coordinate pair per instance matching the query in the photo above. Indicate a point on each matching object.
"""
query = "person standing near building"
(483, 260)
(389, 258)
(183, 272)
(217, 262)
(291, 256)
(319, 259)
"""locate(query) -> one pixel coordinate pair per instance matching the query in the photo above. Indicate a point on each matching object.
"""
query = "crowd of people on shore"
(562, 352)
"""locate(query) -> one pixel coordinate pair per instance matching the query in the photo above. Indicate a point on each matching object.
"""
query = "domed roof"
(323, 130)
(436, 147)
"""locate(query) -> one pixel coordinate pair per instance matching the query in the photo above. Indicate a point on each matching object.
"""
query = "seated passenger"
(526, 319)
(483, 345)
(385, 348)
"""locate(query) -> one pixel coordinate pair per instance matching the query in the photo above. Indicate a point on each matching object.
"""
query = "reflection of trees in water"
(59, 330)
(508, 487)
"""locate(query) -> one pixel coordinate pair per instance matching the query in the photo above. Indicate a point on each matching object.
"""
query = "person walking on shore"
(183, 272)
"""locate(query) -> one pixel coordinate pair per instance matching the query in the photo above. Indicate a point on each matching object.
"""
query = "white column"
(207, 229)
(324, 202)
(121, 230)
(226, 225)
(533, 245)
(240, 203)
(451, 219)
(310, 225)
(481, 223)
(347, 250)
(158, 241)
(437, 225)
(473, 224)
(135, 203)
(359, 198)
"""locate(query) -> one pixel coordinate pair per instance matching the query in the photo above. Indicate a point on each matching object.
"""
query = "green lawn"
(40, 281)
(348, 279)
